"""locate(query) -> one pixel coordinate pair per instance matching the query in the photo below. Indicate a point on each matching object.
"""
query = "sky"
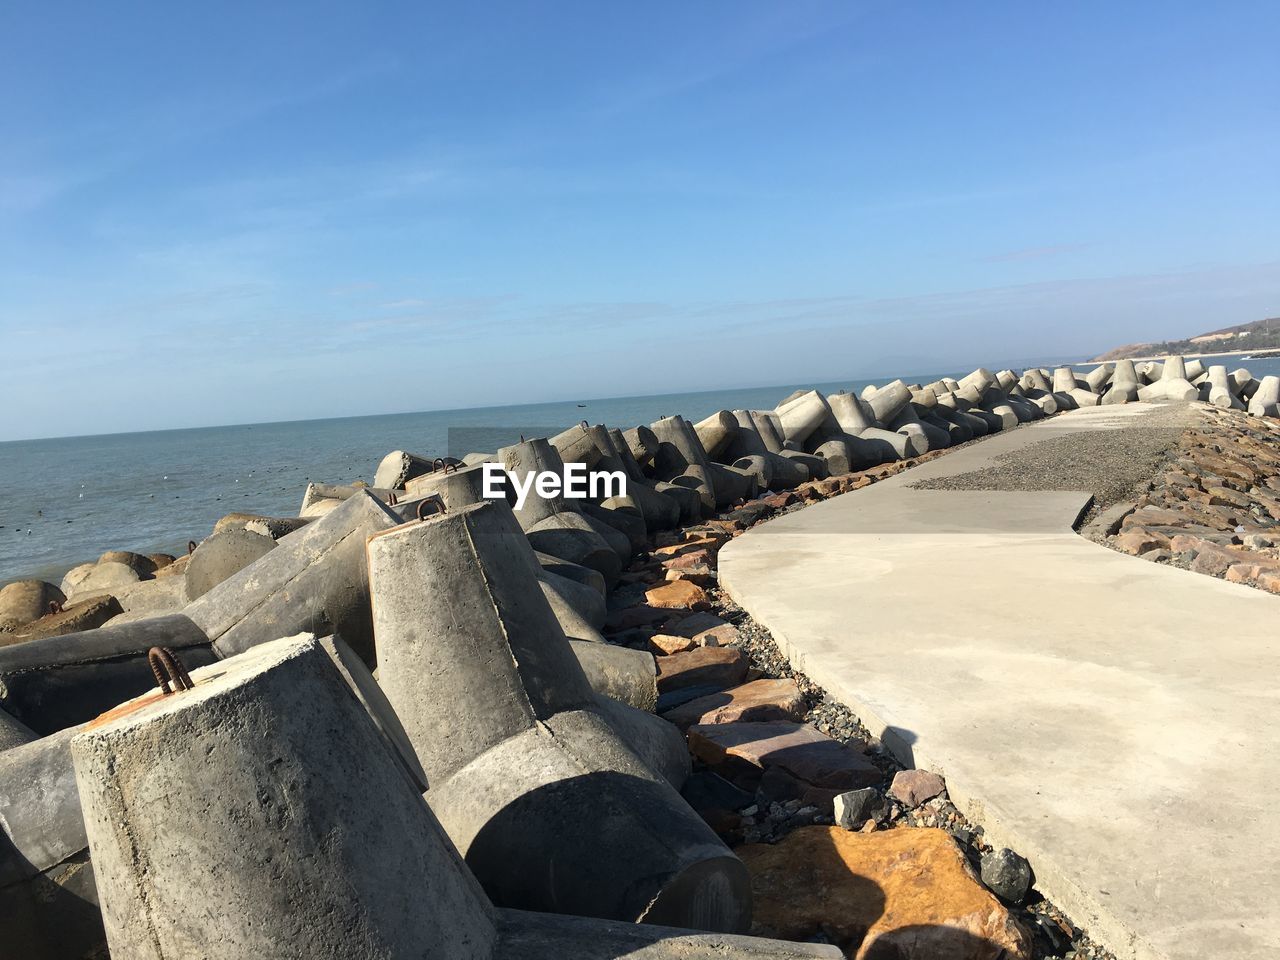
(229, 213)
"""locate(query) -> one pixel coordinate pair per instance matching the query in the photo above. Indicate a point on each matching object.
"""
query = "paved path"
(1114, 720)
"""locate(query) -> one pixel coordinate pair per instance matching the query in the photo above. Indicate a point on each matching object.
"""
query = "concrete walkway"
(1113, 720)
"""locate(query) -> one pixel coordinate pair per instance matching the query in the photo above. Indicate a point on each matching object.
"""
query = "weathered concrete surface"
(304, 840)
(1082, 704)
(314, 581)
(56, 682)
(535, 786)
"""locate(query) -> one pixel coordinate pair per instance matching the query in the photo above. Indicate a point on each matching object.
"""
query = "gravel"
(1111, 464)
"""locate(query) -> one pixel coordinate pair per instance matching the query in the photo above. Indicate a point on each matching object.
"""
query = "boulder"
(223, 555)
(398, 468)
(26, 601)
(906, 894)
(80, 615)
(144, 566)
(678, 594)
(104, 578)
(702, 666)
(755, 701)
(913, 787)
(796, 748)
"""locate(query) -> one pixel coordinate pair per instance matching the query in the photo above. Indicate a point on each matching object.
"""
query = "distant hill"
(1242, 338)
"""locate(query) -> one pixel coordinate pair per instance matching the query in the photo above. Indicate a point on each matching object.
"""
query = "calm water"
(67, 500)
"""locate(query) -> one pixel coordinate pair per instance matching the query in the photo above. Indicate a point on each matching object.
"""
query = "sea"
(69, 499)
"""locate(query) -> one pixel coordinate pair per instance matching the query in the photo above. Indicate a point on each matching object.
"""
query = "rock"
(796, 748)
(905, 894)
(80, 615)
(913, 787)
(1006, 875)
(151, 598)
(674, 698)
(756, 701)
(688, 546)
(691, 559)
(641, 615)
(678, 594)
(1138, 540)
(25, 602)
(1269, 582)
(273, 527)
(75, 576)
(664, 645)
(221, 556)
(104, 578)
(697, 624)
(398, 468)
(160, 560)
(177, 568)
(702, 666)
(856, 807)
(143, 566)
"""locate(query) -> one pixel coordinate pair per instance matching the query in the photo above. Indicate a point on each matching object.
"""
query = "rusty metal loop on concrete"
(392, 499)
(191, 547)
(435, 502)
(168, 669)
(583, 424)
(55, 606)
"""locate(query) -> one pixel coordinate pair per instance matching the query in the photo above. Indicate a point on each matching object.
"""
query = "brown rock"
(700, 574)
(797, 748)
(1137, 540)
(664, 645)
(913, 787)
(780, 500)
(641, 615)
(161, 560)
(82, 615)
(26, 601)
(143, 566)
(755, 701)
(1269, 582)
(695, 624)
(678, 594)
(702, 666)
(905, 894)
(688, 546)
(177, 568)
(700, 557)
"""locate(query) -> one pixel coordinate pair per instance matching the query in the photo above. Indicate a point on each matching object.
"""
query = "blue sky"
(243, 212)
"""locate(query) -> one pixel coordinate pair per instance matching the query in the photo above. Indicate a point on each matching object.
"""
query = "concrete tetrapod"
(314, 581)
(549, 807)
(48, 903)
(57, 682)
(1266, 400)
(1124, 384)
(661, 511)
(304, 840)
(680, 459)
(857, 417)
(802, 415)
(551, 523)
(1216, 389)
(1065, 382)
(1172, 385)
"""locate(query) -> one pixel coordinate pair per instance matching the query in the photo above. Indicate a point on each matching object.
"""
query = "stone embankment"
(1213, 508)
(575, 746)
